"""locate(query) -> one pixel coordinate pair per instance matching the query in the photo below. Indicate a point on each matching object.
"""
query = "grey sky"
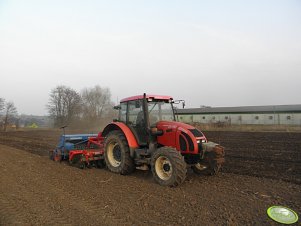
(217, 53)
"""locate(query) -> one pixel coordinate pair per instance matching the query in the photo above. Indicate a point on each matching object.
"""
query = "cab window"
(122, 112)
(135, 113)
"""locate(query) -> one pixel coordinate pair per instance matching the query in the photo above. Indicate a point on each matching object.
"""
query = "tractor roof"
(139, 97)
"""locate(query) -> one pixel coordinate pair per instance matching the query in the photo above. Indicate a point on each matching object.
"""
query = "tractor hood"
(172, 131)
(172, 125)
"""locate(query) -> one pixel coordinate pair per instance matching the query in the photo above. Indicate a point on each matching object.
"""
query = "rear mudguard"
(130, 137)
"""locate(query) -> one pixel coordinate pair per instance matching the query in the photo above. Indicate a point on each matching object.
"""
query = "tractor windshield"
(160, 110)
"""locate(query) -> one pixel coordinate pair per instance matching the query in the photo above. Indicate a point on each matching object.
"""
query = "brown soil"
(262, 169)
(274, 155)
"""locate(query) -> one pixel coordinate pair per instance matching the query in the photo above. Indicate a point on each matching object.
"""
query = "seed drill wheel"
(117, 153)
(168, 167)
(57, 156)
(100, 164)
(77, 161)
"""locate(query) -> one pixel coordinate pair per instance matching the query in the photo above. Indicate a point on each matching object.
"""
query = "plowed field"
(262, 169)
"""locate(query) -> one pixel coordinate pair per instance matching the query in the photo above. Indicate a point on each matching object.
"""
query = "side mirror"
(179, 101)
(116, 107)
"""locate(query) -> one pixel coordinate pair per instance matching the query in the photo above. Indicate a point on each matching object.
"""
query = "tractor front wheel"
(209, 166)
(117, 154)
(168, 167)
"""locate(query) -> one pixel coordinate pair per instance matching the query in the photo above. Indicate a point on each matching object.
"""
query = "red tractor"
(147, 135)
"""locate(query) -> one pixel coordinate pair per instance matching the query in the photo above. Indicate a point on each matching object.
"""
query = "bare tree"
(64, 105)
(10, 112)
(97, 104)
(1, 104)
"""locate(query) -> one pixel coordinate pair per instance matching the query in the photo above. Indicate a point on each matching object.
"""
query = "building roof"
(139, 97)
(242, 109)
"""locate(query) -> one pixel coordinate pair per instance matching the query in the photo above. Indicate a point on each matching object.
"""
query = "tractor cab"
(142, 113)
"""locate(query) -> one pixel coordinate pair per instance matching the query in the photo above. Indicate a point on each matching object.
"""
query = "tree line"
(90, 108)
(8, 114)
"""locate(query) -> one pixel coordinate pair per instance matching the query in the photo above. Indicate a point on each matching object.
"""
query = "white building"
(254, 115)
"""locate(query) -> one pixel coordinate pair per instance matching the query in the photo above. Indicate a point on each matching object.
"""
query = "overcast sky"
(216, 53)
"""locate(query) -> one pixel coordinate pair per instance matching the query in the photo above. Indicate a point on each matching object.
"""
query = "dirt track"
(35, 190)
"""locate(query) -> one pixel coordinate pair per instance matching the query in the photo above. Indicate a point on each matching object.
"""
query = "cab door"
(136, 121)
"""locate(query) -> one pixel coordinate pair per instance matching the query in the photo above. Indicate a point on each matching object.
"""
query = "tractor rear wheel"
(168, 167)
(117, 153)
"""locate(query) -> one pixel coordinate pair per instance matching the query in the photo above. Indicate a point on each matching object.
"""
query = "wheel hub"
(117, 153)
(163, 168)
(166, 167)
(114, 154)
(201, 166)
